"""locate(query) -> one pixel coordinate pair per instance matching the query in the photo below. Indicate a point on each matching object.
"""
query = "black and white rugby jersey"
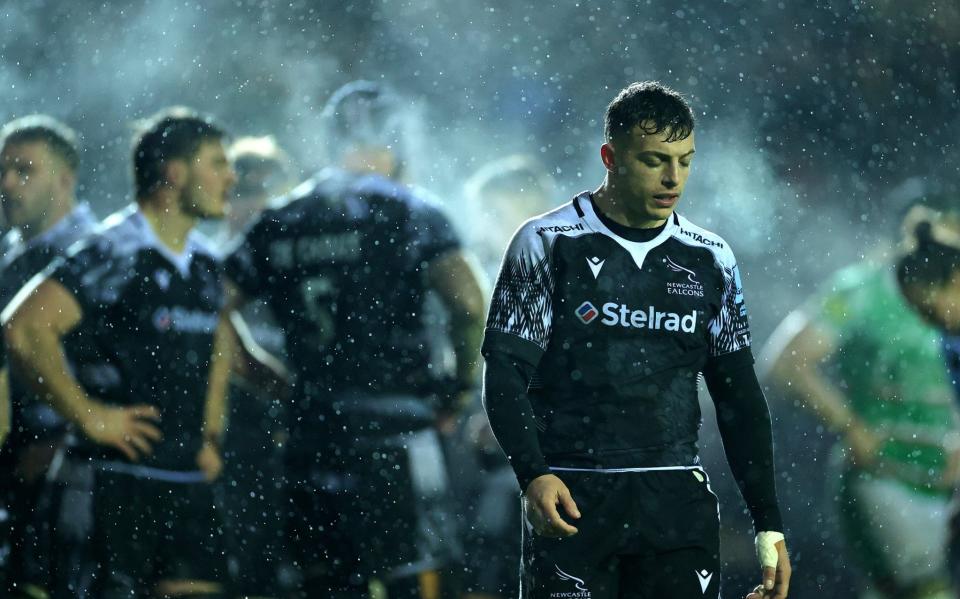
(618, 331)
(146, 334)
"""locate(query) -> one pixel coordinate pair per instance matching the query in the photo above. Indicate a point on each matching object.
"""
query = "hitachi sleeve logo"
(615, 314)
(561, 228)
(700, 238)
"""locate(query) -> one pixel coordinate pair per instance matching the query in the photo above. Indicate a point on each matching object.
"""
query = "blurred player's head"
(38, 165)
(263, 170)
(928, 268)
(180, 151)
(365, 129)
(507, 192)
(648, 147)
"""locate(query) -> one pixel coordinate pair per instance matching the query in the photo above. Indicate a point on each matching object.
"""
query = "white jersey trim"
(638, 250)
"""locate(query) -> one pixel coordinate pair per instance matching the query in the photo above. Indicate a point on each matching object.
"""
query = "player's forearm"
(466, 335)
(225, 352)
(505, 381)
(744, 422)
(802, 380)
(36, 352)
(4, 404)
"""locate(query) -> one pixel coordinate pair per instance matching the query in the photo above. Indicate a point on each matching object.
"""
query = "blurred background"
(818, 123)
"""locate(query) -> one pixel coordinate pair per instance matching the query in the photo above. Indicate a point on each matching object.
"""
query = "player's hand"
(863, 445)
(129, 429)
(776, 580)
(209, 461)
(543, 495)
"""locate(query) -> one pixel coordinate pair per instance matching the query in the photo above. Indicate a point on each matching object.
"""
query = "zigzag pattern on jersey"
(729, 328)
(522, 302)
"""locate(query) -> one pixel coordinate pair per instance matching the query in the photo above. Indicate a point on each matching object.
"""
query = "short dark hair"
(930, 257)
(59, 138)
(171, 134)
(653, 107)
(363, 113)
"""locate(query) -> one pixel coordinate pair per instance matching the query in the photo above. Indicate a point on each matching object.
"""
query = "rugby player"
(143, 294)
(251, 485)
(39, 158)
(345, 261)
(604, 314)
(865, 354)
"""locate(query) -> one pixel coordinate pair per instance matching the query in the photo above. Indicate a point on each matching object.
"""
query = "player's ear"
(175, 173)
(608, 156)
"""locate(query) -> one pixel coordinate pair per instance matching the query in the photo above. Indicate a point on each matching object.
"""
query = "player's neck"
(606, 200)
(58, 210)
(170, 224)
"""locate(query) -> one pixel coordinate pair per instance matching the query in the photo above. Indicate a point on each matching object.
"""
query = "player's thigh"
(691, 573)
(585, 564)
(895, 533)
(193, 547)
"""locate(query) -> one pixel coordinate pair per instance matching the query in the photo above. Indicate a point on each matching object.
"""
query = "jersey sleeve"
(431, 234)
(247, 263)
(521, 309)
(834, 308)
(91, 274)
(729, 329)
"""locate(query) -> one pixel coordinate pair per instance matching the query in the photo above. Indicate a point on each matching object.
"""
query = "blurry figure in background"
(501, 195)
(39, 158)
(251, 485)
(264, 170)
(144, 294)
(345, 261)
(865, 357)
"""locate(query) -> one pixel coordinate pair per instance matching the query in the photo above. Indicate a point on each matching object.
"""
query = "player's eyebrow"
(663, 155)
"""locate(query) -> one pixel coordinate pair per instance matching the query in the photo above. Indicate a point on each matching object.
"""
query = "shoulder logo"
(700, 238)
(704, 577)
(561, 228)
(595, 265)
(587, 312)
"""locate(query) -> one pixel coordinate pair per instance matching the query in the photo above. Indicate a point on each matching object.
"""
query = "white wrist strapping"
(766, 550)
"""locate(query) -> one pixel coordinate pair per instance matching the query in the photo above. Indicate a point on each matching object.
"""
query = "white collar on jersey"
(182, 260)
(638, 250)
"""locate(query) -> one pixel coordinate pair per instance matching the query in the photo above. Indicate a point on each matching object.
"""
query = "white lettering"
(620, 314)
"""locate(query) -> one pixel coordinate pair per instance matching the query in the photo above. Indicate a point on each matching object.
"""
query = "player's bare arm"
(36, 322)
(4, 404)
(454, 280)
(795, 368)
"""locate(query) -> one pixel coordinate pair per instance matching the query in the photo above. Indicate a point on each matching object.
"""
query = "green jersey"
(890, 365)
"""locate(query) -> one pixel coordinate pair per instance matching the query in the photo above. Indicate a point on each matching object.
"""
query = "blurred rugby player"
(144, 292)
(345, 261)
(39, 158)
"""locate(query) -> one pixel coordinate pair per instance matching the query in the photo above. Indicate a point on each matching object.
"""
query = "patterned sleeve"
(247, 261)
(521, 309)
(729, 329)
